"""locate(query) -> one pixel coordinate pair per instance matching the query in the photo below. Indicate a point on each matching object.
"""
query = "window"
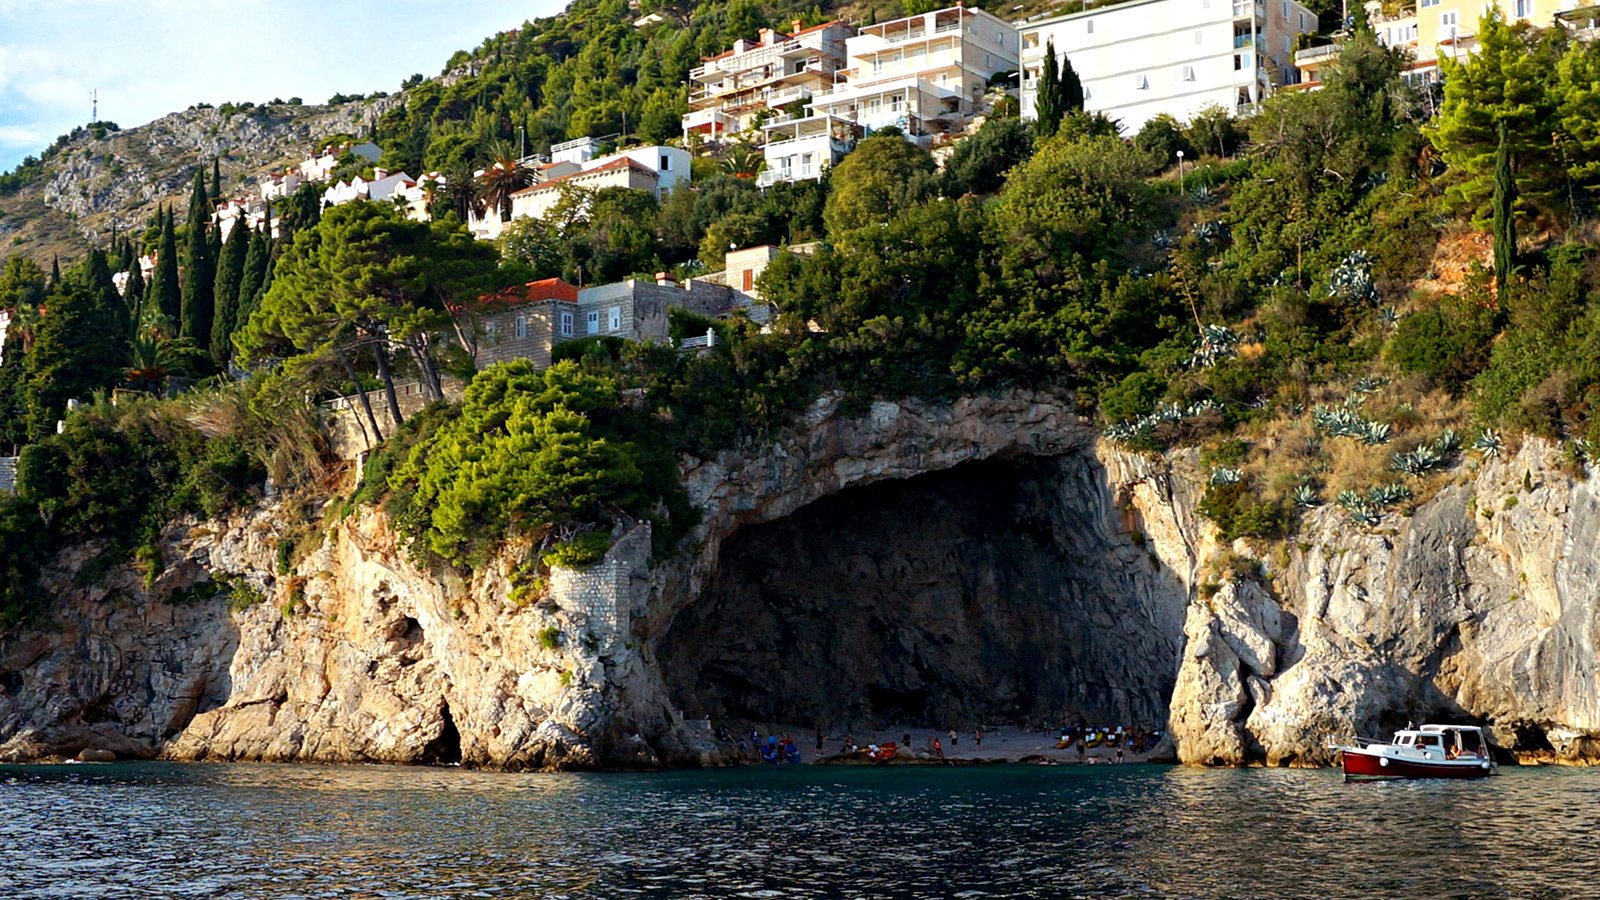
(987, 62)
(1186, 73)
(522, 327)
(614, 318)
(1524, 8)
(1199, 37)
(489, 328)
(566, 324)
(1285, 9)
(593, 322)
(1091, 26)
(1449, 19)
(1141, 83)
(666, 162)
(1031, 41)
(1428, 3)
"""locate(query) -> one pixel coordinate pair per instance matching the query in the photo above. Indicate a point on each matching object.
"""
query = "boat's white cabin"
(1442, 742)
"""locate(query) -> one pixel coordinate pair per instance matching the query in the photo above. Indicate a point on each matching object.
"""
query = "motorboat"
(1432, 751)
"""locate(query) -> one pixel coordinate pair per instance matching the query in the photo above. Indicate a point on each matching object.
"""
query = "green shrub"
(584, 550)
(550, 637)
(1238, 513)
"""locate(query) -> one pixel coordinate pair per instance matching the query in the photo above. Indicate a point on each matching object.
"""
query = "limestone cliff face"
(986, 560)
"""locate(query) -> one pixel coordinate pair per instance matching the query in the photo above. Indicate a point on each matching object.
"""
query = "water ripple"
(142, 830)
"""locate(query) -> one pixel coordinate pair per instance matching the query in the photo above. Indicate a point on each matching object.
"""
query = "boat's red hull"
(1371, 765)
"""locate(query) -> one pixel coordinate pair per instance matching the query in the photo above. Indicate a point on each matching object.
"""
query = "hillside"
(93, 186)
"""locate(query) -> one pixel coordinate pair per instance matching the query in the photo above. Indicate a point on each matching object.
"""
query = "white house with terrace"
(727, 92)
(381, 186)
(318, 166)
(925, 74)
(1142, 58)
(656, 169)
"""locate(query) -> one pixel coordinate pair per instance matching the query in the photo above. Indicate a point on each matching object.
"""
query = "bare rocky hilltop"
(990, 561)
(92, 186)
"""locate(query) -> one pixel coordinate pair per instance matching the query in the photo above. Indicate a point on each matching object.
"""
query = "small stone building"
(528, 321)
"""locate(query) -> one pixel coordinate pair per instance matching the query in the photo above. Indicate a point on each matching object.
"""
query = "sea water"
(288, 831)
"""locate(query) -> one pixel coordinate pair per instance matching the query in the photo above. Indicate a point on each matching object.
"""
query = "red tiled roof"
(535, 291)
(614, 165)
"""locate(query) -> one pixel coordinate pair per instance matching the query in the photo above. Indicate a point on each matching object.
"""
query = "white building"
(280, 184)
(656, 169)
(381, 186)
(5, 323)
(804, 149)
(319, 166)
(727, 91)
(1142, 58)
(925, 74)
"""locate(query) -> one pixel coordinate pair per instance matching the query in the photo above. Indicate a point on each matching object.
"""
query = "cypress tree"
(1071, 88)
(97, 275)
(216, 178)
(165, 298)
(199, 269)
(255, 272)
(1505, 213)
(230, 276)
(1047, 97)
(133, 295)
(55, 272)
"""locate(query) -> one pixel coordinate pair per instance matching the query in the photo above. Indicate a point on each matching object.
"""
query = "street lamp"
(1180, 171)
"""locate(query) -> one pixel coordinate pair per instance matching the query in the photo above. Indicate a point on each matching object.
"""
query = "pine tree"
(73, 355)
(1071, 88)
(1047, 98)
(199, 269)
(165, 298)
(230, 276)
(254, 274)
(1505, 212)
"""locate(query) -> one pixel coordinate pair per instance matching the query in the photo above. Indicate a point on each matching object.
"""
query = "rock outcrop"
(991, 557)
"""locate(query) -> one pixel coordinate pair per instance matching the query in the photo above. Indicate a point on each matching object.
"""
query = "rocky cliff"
(987, 560)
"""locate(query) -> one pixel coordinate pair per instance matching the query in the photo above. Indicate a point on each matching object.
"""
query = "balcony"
(1244, 9)
(1312, 56)
(1243, 40)
(792, 173)
(786, 96)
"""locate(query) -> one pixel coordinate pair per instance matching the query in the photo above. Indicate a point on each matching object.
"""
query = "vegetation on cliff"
(1293, 302)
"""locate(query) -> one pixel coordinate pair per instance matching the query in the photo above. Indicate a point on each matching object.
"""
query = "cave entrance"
(997, 592)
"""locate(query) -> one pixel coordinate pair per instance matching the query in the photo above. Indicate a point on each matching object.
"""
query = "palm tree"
(461, 191)
(151, 362)
(505, 176)
(741, 160)
(25, 323)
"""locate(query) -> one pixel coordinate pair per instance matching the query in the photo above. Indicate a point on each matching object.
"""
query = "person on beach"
(819, 740)
(977, 737)
(954, 739)
(938, 749)
(1081, 749)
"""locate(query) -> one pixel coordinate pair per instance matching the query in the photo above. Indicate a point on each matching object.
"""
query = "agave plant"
(1352, 280)
(1488, 443)
(1388, 494)
(1226, 475)
(1306, 495)
(1217, 342)
(1448, 443)
(1162, 239)
(1376, 432)
(1420, 461)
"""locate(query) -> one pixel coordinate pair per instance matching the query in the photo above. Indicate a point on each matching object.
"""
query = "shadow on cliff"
(114, 675)
(1003, 591)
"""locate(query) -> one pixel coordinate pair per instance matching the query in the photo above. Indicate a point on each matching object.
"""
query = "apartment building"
(925, 74)
(728, 91)
(1434, 29)
(318, 167)
(1142, 58)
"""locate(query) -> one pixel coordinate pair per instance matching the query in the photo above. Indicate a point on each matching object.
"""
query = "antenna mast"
(94, 111)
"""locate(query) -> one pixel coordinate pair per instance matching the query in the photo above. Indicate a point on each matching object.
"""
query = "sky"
(151, 57)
